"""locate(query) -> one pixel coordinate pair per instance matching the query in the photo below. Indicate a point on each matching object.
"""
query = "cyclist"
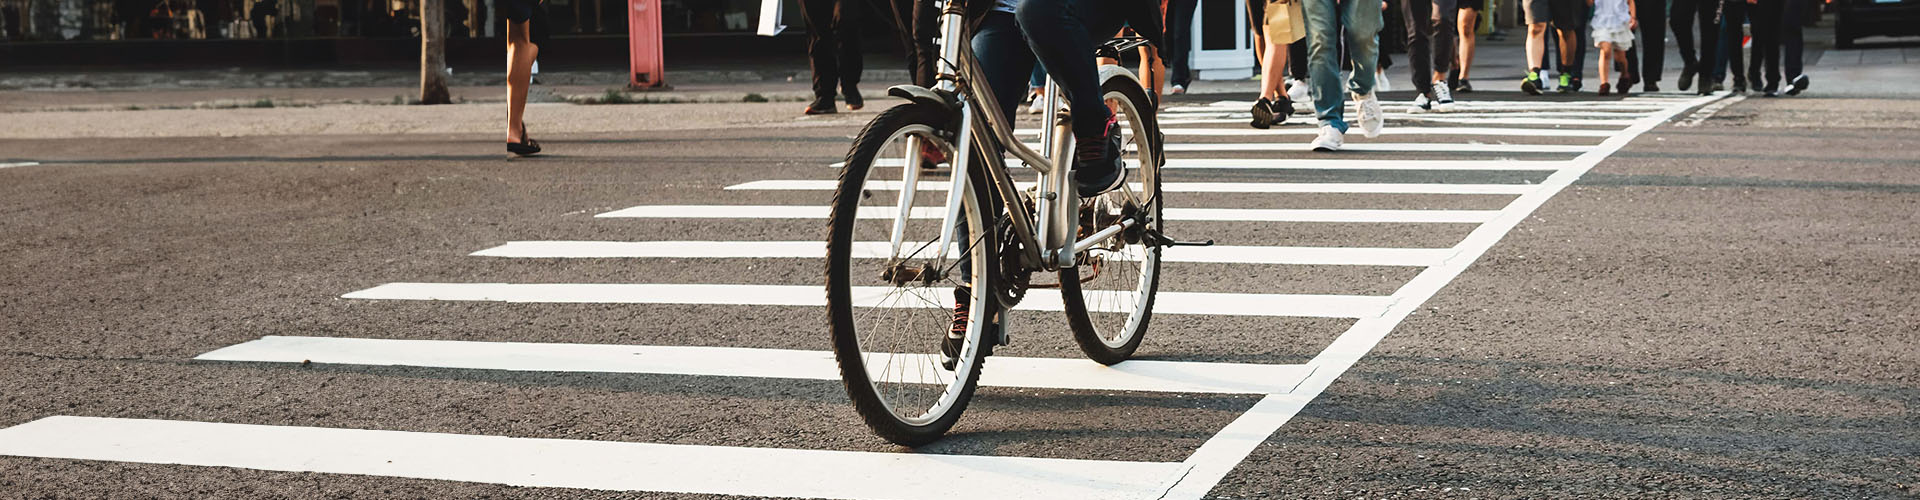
(1009, 36)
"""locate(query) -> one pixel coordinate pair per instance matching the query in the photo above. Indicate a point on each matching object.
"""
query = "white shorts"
(1620, 36)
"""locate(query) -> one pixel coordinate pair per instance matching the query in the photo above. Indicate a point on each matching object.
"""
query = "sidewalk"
(1884, 69)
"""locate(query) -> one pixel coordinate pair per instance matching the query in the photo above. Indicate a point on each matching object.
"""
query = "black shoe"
(821, 107)
(1097, 165)
(1464, 87)
(854, 102)
(1739, 86)
(1651, 87)
(526, 147)
(1262, 113)
(1531, 84)
(1281, 110)
(1798, 84)
(1686, 78)
(956, 334)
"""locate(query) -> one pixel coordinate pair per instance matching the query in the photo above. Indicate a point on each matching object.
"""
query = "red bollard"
(643, 39)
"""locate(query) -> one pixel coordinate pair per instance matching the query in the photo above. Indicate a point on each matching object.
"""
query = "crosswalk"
(1553, 143)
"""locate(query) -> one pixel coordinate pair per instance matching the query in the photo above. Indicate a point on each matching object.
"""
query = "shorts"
(1537, 11)
(532, 12)
(1620, 36)
(1570, 14)
(1479, 5)
(1284, 22)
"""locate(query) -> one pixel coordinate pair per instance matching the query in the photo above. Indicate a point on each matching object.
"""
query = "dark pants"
(1180, 41)
(1766, 40)
(917, 24)
(1431, 38)
(1733, 15)
(1793, 17)
(833, 46)
(1297, 59)
(1686, 14)
(1653, 27)
(1060, 34)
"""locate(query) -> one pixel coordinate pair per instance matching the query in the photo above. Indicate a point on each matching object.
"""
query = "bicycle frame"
(1050, 243)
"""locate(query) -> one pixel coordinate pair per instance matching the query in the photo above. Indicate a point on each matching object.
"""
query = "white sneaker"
(1178, 89)
(1039, 106)
(1330, 139)
(1380, 81)
(1371, 118)
(1442, 98)
(1299, 91)
(1421, 104)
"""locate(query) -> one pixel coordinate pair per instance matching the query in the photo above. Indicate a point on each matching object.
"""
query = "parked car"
(1855, 19)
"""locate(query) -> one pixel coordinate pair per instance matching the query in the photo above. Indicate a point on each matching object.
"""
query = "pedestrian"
(1362, 21)
(1687, 15)
(1537, 17)
(1793, 18)
(1180, 44)
(526, 32)
(1430, 48)
(1766, 44)
(1570, 19)
(833, 51)
(1733, 19)
(1283, 23)
(1613, 24)
(1651, 16)
(1459, 79)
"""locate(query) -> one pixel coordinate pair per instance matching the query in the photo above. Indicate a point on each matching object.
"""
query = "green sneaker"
(1531, 84)
(1566, 83)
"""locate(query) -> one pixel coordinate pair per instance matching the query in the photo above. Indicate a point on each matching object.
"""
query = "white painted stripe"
(1471, 131)
(1183, 187)
(595, 465)
(880, 249)
(1179, 214)
(1008, 371)
(1228, 304)
(1433, 117)
(1318, 164)
(1219, 455)
(1465, 104)
(21, 164)
(1388, 146)
(1405, 113)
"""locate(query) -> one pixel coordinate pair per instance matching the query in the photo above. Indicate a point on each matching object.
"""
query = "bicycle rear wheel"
(1109, 293)
(891, 287)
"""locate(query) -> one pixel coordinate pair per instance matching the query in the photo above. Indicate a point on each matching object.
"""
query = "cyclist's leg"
(1005, 57)
(1059, 32)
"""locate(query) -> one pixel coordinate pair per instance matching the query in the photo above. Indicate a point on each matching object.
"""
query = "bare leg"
(1569, 40)
(1273, 72)
(520, 55)
(1536, 44)
(1153, 70)
(1467, 40)
(1606, 61)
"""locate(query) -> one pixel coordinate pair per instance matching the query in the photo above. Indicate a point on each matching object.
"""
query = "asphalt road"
(1720, 310)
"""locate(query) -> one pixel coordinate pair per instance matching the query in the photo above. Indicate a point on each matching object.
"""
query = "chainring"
(1014, 279)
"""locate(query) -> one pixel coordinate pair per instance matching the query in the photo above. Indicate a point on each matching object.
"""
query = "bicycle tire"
(1102, 339)
(861, 346)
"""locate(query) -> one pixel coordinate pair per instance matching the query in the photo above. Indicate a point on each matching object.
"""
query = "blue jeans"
(1060, 34)
(1325, 18)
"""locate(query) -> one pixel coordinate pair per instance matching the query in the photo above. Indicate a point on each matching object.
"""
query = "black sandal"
(526, 147)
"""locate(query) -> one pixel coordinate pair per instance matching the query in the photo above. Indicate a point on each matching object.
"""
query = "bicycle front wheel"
(1109, 293)
(894, 292)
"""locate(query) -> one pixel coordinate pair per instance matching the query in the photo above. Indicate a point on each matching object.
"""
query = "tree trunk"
(433, 52)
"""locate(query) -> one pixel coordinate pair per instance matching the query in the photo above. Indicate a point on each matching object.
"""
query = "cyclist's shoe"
(957, 334)
(931, 156)
(1097, 163)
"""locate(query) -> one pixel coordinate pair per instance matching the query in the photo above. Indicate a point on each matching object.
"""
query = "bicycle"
(893, 262)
